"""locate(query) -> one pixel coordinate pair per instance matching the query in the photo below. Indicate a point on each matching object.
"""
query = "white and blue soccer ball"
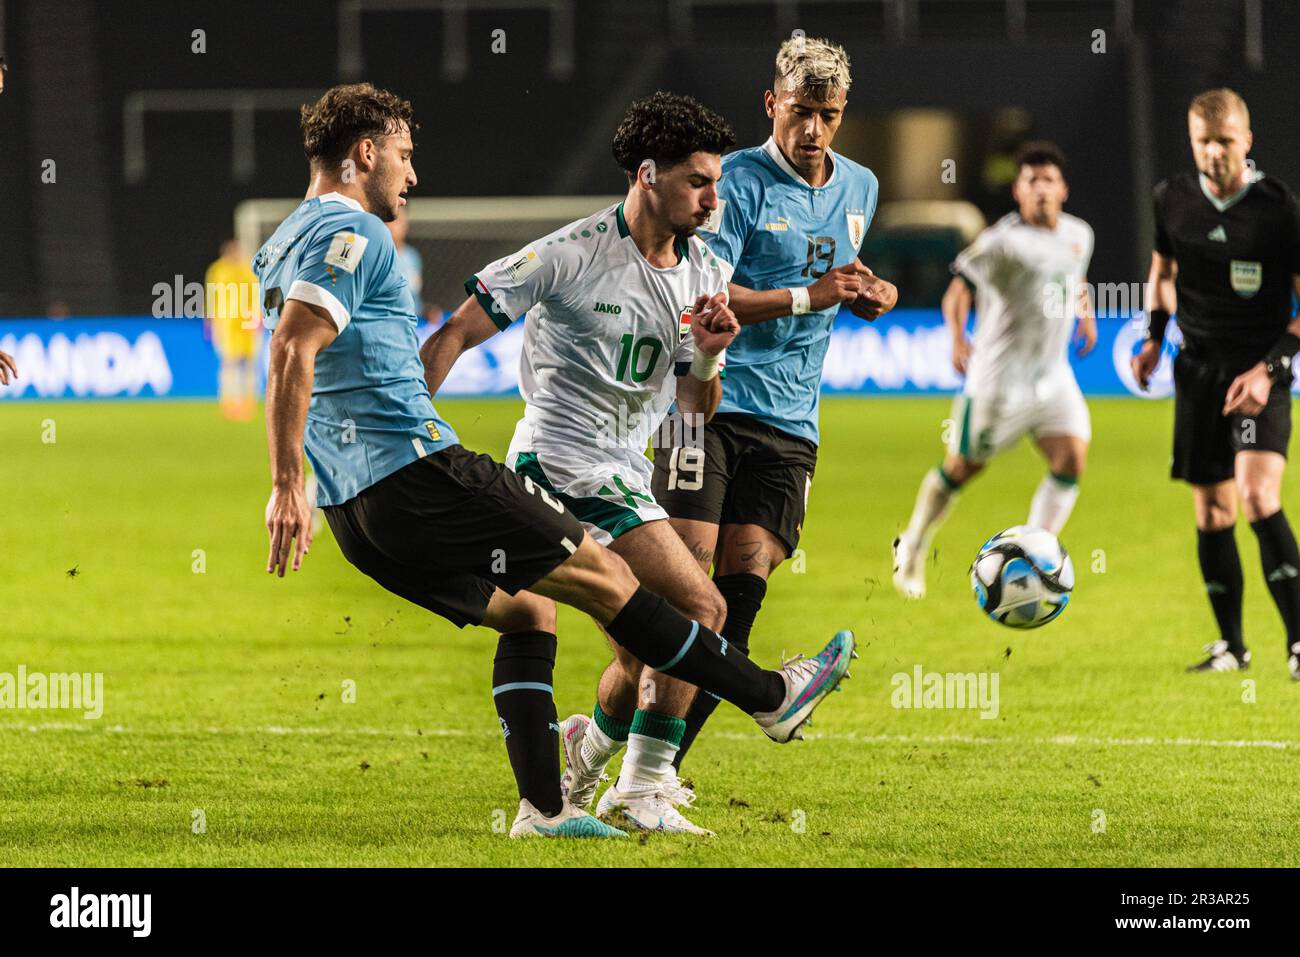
(1022, 577)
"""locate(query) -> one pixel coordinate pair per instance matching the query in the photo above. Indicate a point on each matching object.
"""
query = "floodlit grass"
(224, 689)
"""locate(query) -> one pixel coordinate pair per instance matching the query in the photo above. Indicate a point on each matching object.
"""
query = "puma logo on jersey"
(1218, 234)
(610, 308)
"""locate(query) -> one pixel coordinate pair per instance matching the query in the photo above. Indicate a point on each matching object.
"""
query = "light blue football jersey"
(781, 232)
(371, 413)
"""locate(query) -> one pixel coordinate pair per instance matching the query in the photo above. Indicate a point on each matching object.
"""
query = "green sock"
(663, 727)
(614, 729)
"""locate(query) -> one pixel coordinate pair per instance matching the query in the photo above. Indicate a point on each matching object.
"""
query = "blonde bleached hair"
(816, 68)
(1214, 106)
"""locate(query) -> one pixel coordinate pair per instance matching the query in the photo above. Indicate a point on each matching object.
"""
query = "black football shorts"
(447, 530)
(745, 472)
(1206, 441)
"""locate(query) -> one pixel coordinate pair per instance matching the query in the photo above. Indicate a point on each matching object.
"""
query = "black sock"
(744, 596)
(1281, 561)
(1221, 569)
(660, 636)
(522, 692)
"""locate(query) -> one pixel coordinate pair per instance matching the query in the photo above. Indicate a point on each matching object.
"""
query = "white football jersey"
(605, 336)
(1026, 280)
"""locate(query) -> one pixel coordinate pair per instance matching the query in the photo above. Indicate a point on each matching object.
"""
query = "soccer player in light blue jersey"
(441, 526)
(791, 217)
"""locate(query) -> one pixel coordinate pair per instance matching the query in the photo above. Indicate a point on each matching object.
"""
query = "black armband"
(1157, 319)
(1278, 360)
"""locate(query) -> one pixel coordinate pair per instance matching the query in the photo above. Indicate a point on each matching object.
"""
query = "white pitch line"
(1064, 740)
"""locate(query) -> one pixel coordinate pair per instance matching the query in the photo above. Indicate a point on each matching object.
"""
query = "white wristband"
(799, 301)
(704, 367)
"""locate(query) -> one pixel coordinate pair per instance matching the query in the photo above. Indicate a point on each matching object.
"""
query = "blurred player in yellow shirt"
(235, 326)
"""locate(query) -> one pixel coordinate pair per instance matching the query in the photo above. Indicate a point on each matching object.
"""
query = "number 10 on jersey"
(639, 357)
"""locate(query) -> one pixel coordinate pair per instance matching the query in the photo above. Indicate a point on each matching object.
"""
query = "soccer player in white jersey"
(626, 313)
(1029, 272)
(445, 528)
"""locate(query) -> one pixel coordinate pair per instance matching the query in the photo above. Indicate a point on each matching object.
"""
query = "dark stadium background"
(510, 124)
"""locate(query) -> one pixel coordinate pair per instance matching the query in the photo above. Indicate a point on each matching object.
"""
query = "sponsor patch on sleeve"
(346, 250)
(524, 264)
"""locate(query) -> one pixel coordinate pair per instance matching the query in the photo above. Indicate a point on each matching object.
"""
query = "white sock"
(648, 763)
(1052, 503)
(598, 747)
(934, 499)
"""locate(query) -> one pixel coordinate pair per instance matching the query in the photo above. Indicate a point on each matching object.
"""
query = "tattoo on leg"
(701, 554)
(753, 556)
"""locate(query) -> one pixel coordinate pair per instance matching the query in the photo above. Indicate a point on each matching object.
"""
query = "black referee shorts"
(745, 473)
(447, 530)
(1206, 442)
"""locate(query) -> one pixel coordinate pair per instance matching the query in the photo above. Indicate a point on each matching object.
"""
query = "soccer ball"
(1022, 577)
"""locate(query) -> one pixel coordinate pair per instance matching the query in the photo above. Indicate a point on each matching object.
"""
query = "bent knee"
(1259, 501)
(1069, 466)
(538, 614)
(708, 607)
(1215, 511)
(958, 470)
(600, 569)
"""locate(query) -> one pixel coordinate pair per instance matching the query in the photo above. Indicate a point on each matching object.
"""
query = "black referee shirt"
(1235, 262)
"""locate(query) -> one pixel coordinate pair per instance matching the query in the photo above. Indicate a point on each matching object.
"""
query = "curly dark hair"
(347, 113)
(1040, 153)
(668, 128)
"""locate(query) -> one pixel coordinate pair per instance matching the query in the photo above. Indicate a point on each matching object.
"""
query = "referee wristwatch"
(1278, 362)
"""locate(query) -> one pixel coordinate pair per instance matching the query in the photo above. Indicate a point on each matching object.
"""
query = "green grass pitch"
(225, 739)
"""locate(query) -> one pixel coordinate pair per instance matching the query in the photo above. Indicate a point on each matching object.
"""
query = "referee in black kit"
(1227, 255)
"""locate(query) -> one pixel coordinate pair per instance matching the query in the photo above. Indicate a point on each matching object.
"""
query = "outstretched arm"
(467, 327)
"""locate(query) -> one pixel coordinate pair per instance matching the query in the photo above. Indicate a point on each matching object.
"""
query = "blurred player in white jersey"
(627, 313)
(1029, 273)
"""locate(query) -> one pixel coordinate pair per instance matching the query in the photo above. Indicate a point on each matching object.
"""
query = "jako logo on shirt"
(612, 308)
(102, 910)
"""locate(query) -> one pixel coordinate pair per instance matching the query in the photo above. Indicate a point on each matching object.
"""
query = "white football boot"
(580, 780)
(1293, 663)
(645, 811)
(807, 683)
(678, 792)
(909, 568)
(570, 822)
